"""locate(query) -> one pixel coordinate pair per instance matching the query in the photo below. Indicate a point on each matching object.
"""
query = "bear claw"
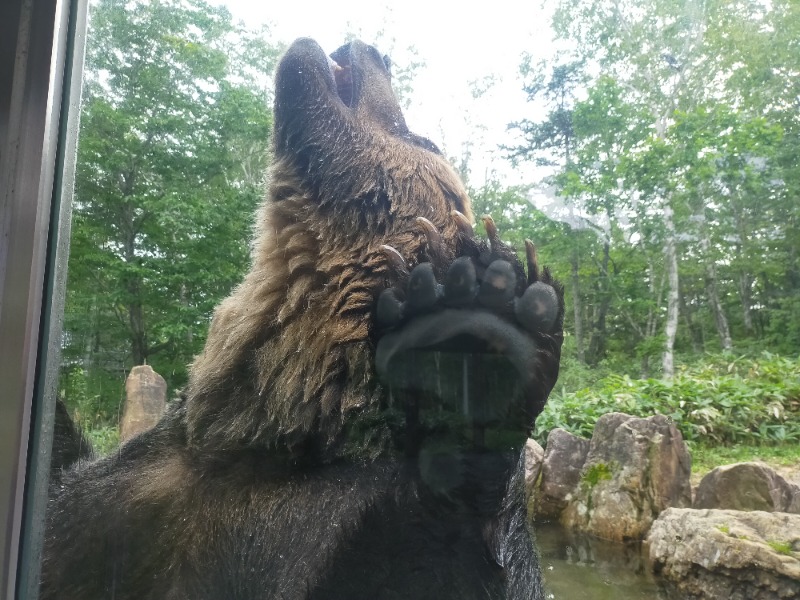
(536, 310)
(479, 341)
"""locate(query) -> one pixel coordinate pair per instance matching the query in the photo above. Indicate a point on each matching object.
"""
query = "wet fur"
(242, 490)
(288, 355)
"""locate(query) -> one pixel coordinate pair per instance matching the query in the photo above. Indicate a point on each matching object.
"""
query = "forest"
(667, 133)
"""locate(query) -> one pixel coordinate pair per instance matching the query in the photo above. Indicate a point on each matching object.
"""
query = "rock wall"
(735, 555)
(561, 473)
(635, 469)
(631, 481)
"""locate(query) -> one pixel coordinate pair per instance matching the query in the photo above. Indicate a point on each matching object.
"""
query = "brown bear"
(353, 427)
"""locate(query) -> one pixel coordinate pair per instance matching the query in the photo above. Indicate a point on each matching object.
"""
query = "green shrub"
(104, 439)
(722, 400)
(83, 391)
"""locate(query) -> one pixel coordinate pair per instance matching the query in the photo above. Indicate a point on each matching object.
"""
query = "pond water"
(580, 567)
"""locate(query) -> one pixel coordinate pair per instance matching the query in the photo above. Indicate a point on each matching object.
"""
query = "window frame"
(42, 46)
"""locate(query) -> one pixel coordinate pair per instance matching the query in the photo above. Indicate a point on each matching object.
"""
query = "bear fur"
(285, 469)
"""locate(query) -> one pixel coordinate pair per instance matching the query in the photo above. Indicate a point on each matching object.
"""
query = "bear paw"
(479, 345)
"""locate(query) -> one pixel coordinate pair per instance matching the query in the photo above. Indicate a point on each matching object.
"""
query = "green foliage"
(104, 440)
(723, 400)
(94, 396)
(173, 146)
(548, 142)
(576, 375)
(650, 154)
(96, 418)
(706, 456)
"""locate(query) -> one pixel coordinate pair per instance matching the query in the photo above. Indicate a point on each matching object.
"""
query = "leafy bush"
(721, 400)
(104, 440)
(82, 392)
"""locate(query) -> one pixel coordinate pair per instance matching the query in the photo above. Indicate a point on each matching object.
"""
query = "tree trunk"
(597, 342)
(185, 302)
(720, 319)
(136, 323)
(577, 307)
(671, 264)
(695, 330)
(712, 292)
(132, 282)
(744, 295)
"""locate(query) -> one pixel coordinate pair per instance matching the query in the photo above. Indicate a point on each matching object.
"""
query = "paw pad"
(483, 342)
(483, 282)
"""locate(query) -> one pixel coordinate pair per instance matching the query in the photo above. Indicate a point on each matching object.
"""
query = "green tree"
(174, 140)
(759, 49)
(673, 142)
(690, 180)
(550, 142)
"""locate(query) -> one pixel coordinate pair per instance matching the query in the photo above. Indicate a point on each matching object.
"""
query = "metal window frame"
(41, 62)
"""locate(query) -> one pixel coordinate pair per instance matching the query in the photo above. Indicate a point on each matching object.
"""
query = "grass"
(104, 440)
(705, 458)
(780, 547)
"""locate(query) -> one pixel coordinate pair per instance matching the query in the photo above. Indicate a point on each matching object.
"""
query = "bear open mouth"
(351, 65)
(343, 77)
(342, 73)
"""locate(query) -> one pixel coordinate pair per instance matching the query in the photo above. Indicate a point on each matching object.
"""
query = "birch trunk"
(671, 265)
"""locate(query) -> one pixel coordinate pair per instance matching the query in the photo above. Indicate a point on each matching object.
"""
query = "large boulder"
(145, 399)
(710, 554)
(563, 460)
(635, 469)
(747, 486)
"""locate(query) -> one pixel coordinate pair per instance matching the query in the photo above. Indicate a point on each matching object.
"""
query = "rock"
(747, 486)
(561, 473)
(727, 554)
(533, 464)
(635, 469)
(145, 399)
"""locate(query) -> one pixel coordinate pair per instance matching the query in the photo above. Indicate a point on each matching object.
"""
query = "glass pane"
(315, 343)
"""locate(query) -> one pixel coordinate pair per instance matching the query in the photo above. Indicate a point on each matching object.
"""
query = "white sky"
(460, 42)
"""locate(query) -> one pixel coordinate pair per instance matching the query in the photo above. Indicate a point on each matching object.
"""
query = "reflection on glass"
(649, 151)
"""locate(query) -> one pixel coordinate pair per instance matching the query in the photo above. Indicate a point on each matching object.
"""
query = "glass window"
(329, 296)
